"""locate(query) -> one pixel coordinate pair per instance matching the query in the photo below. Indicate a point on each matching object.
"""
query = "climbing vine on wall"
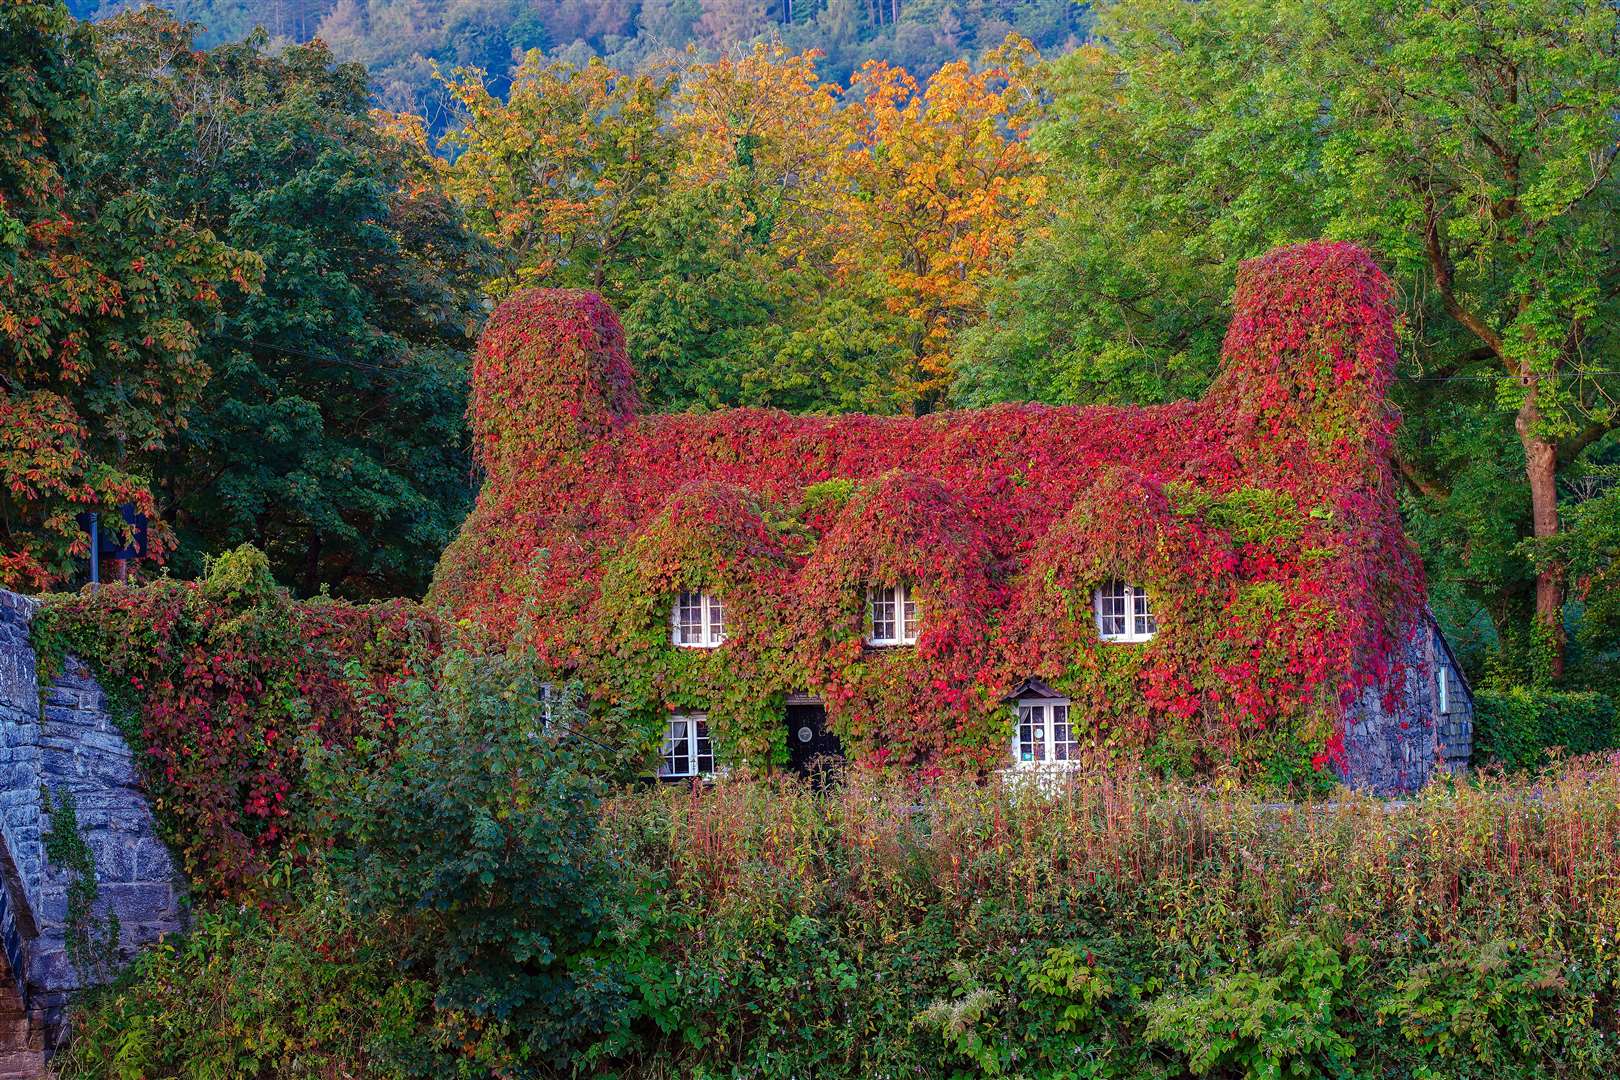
(1261, 520)
(218, 683)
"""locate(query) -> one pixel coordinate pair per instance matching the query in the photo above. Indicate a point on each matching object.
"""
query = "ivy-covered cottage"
(1205, 583)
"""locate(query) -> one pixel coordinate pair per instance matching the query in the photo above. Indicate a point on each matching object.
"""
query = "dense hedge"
(1118, 927)
(1516, 726)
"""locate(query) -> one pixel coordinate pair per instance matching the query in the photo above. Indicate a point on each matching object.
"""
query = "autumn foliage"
(1261, 520)
(221, 685)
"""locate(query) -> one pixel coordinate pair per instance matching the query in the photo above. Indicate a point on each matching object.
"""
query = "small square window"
(1044, 734)
(1123, 612)
(699, 620)
(687, 751)
(894, 615)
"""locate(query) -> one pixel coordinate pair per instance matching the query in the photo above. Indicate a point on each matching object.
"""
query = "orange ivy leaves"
(904, 195)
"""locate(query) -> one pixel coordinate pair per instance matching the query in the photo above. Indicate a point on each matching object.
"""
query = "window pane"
(689, 619)
(1031, 733)
(1146, 626)
(677, 760)
(908, 608)
(717, 621)
(883, 614)
(1063, 744)
(1111, 609)
(703, 750)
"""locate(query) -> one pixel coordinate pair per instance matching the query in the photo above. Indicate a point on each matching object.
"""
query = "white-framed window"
(1123, 612)
(1043, 734)
(1442, 680)
(548, 699)
(687, 750)
(699, 620)
(894, 615)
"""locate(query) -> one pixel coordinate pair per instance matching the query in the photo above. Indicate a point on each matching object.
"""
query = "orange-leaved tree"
(935, 191)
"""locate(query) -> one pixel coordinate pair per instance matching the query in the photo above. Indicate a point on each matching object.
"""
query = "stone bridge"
(58, 742)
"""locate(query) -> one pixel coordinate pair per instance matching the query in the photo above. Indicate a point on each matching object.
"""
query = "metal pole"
(95, 552)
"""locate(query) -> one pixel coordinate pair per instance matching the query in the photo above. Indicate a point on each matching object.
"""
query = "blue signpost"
(103, 546)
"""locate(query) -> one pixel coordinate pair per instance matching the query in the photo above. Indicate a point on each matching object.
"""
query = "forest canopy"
(402, 41)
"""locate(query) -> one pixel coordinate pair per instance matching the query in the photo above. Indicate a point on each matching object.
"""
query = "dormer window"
(1123, 613)
(894, 615)
(699, 620)
(687, 751)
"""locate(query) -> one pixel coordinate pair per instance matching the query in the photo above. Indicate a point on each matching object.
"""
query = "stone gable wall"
(1395, 747)
(65, 741)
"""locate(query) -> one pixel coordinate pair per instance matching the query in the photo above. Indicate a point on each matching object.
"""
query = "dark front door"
(811, 747)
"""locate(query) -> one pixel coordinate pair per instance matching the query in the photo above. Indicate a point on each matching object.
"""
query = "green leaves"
(478, 830)
(1470, 145)
(331, 434)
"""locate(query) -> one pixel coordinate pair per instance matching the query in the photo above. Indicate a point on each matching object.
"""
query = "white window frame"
(904, 617)
(1140, 622)
(693, 743)
(1443, 680)
(1044, 713)
(711, 624)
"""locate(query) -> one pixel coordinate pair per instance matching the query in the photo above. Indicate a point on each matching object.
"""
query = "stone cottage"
(1212, 583)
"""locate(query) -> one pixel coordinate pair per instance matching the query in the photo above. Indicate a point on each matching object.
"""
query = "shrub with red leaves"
(217, 683)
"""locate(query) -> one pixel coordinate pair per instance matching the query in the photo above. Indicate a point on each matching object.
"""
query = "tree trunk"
(312, 564)
(1541, 468)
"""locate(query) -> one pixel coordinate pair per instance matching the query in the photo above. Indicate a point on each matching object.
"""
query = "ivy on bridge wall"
(1261, 520)
(217, 685)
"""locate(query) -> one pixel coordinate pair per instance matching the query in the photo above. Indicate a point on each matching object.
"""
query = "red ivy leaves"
(1261, 519)
(219, 692)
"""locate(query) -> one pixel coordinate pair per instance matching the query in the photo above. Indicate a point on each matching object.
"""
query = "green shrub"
(1280, 1021)
(1517, 725)
(474, 829)
(1500, 1007)
(307, 993)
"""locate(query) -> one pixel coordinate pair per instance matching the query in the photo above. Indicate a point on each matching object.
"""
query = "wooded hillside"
(400, 41)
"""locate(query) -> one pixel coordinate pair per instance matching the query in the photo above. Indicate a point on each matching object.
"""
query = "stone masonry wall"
(70, 746)
(1395, 747)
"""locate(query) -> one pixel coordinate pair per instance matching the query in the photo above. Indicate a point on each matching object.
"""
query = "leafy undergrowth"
(1116, 926)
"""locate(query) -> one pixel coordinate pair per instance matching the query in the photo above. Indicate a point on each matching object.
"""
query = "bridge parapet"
(64, 742)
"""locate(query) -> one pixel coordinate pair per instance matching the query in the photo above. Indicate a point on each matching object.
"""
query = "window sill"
(697, 645)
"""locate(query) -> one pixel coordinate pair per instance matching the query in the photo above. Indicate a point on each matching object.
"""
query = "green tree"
(103, 292)
(332, 436)
(1469, 143)
(475, 831)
